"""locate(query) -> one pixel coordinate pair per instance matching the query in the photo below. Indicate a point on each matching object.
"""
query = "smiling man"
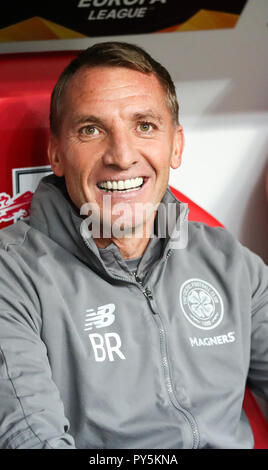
(114, 331)
(117, 136)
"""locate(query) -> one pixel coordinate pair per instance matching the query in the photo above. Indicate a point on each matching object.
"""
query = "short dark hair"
(114, 54)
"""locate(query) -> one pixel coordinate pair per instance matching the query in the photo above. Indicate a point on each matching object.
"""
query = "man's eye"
(89, 130)
(145, 127)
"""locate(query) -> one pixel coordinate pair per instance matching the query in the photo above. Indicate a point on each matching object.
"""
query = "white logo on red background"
(12, 208)
(24, 182)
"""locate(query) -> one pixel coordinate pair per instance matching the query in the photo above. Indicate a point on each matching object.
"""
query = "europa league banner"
(72, 19)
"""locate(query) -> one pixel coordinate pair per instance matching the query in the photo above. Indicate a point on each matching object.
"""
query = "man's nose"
(120, 151)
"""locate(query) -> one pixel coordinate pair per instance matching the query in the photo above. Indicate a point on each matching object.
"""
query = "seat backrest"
(196, 213)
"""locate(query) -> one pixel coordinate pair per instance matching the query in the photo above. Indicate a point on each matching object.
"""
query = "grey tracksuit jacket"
(92, 357)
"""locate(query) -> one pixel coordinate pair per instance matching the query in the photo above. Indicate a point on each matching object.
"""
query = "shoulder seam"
(19, 243)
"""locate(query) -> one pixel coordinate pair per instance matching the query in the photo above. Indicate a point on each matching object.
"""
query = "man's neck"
(130, 247)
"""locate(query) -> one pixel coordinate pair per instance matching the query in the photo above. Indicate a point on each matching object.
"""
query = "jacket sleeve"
(258, 368)
(31, 410)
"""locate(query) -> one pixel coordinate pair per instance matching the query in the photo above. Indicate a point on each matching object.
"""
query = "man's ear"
(54, 156)
(178, 148)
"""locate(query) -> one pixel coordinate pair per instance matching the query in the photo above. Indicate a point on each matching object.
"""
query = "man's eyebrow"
(83, 119)
(148, 114)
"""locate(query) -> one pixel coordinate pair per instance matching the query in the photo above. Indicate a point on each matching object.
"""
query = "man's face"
(116, 139)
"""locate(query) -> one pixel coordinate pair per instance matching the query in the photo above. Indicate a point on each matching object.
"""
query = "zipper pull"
(168, 253)
(148, 294)
(137, 278)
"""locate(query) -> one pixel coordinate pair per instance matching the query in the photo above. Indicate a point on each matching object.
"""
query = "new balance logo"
(103, 317)
(106, 345)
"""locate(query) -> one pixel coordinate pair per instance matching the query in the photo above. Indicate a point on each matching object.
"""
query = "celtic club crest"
(201, 304)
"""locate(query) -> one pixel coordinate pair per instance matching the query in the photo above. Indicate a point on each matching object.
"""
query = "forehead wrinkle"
(91, 96)
(82, 88)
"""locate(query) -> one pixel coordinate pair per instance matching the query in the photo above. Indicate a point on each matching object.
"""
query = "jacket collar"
(53, 213)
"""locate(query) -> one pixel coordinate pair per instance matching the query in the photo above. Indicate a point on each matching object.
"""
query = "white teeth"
(123, 185)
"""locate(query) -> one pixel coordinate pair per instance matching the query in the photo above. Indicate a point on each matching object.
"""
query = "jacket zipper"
(163, 346)
(189, 417)
(168, 382)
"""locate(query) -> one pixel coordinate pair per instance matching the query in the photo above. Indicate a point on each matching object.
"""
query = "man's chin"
(120, 220)
(126, 228)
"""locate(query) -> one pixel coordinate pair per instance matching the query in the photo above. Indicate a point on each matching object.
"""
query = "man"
(112, 334)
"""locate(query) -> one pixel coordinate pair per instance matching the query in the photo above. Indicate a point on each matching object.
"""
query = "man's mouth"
(132, 184)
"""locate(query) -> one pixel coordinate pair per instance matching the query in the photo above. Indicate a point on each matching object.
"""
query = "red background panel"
(26, 83)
